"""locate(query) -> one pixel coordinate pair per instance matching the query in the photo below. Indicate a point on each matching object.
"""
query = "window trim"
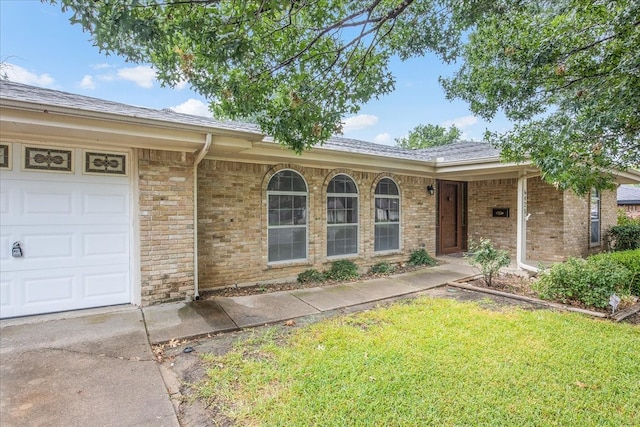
(398, 223)
(276, 227)
(595, 196)
(356, 196)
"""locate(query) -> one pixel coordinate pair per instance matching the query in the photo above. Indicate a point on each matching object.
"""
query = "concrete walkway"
(96, 367)
(222, 314)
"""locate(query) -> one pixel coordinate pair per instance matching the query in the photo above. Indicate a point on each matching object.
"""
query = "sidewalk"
(97, 367)
(223, 314)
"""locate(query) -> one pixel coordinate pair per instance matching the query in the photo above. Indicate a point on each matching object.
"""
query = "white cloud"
(17, 74)
(182, 84)
(87, 83)
(101, 66)
(141, 75)
(193, 106)
(359, 122)
(383, 138)
(461, 122)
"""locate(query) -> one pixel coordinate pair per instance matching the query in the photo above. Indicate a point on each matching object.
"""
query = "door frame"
(461, 217)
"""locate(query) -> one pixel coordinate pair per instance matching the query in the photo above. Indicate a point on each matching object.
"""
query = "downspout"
(521, 233)
(200, 154)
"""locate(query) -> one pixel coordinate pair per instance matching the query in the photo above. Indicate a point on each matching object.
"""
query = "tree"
(565, 71)
(568, 74)
(425, 136)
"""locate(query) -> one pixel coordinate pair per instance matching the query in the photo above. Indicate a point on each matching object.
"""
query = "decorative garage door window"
(342, 216)
(105, 163)
(48, 159)
(387, 214)
(287, 222)
(5, 160)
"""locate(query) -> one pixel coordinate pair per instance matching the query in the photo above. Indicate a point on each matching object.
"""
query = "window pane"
(342, 210)
(595, 231)
(387, 237)
(387, 187)
(342, 240)
(341, 184)
(287, 181)
(387, 209)
(287, 243)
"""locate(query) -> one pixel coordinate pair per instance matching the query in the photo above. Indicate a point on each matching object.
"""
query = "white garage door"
(73, 230)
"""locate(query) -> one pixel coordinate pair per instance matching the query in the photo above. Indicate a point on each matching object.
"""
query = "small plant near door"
(489, 259)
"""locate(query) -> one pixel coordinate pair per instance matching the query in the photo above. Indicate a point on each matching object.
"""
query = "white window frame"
(356, 224)
(397, 223)
(595, 217)
(288, 226)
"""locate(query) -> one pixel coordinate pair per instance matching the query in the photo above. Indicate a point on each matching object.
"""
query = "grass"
(434, 362)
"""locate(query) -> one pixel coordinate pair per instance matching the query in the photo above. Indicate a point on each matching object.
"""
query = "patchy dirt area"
(257, 289)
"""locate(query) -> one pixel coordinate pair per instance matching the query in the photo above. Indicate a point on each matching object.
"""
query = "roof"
(18, 92)
(628, 195)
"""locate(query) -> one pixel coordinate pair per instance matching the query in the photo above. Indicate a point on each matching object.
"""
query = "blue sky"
(40, 47)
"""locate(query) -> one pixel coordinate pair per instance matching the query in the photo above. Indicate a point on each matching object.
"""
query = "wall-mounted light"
(431, 190)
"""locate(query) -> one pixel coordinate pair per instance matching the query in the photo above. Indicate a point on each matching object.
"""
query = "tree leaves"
(566, 72)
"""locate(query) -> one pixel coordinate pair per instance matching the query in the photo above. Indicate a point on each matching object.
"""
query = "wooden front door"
(452, 232)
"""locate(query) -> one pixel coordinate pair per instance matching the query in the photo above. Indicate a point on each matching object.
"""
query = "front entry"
(452, 230)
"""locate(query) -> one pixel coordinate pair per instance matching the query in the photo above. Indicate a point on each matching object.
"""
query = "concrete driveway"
(93, 368)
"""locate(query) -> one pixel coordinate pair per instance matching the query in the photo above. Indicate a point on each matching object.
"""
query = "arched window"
(342, 216)
(387, 215)
(287, 222)
(595, 217)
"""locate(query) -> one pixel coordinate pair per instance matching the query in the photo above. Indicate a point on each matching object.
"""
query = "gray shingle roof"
(628, 195)
(461, 151)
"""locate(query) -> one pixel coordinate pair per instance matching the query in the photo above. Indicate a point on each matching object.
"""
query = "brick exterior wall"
(482, 197)
(165, 189)
(233, 234)
(232, 227)
(546, 225)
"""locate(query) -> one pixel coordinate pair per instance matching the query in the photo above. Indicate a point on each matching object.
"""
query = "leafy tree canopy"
(565, 71)
(425, 136)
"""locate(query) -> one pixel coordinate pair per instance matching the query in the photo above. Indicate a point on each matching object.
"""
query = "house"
(629, 200)
(104, 203)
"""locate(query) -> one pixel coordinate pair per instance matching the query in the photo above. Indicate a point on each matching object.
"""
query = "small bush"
(342, 270)
(590, 281)
(489, 259)
(629, 259)
(624, 219)
(421, 257)
(310, 276)
(382, 268)
(624, 237)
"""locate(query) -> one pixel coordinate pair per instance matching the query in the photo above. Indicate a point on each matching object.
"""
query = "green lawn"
(434, 362)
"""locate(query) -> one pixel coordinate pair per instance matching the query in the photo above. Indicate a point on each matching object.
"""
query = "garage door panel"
(39, 203)
(111, 284)
(51, 247)
(106, 204)
(105, 244)
(74, 231)
(43, 291)
(49, 289)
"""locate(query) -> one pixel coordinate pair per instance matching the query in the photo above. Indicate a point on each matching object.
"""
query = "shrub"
(489, 259)
(310, 276)
(624, 219)
(631, 260)
(342, 270)
(590, 281)
(382, 268)
(624, 237)
(421, 257)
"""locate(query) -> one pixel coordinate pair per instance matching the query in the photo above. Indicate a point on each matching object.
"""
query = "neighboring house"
(629, 200)
(112, 204)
